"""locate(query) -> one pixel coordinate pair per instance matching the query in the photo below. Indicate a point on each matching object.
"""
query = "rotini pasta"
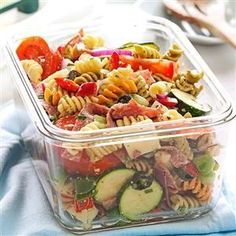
(131, 120)
(141, 51)
(118, 83)
(202, 192)
(92, 42)
(140, 165)
(88, 77)
(192, 76)
(69, 105)
(142, 86)
(160, 87)
(53, 95)
(105, 63)
(33, 69)
(96, 153)
(90, 64)
(186, 82)
(183, 203)
(173, 53)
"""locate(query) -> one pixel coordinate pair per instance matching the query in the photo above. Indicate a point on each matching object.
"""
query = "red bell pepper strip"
(67, 84)
(82, 165)
(156, 66)
(114, 61)
(167, 101)
(83, 204)
(87, 89)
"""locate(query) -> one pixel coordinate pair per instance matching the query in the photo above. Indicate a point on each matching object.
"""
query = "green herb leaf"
(81, 117)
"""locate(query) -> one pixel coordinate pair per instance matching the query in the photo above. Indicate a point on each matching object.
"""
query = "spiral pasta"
(130, 120)
(92, 42)
(140, 165)
(109, 94)
(69, 105)
(89, 64)
(141, 51)
(53, 95)
(183, 203)
(192, 76)
(160, 87)
(94, 126)
(105, 63)
(173, 53)
(182, 144)
(97, 153)
(33, 69)
(53, 92)
(186, 82)
(88, 77)
(201, 191)
(118, 83)
(142, 86)
(121, 78)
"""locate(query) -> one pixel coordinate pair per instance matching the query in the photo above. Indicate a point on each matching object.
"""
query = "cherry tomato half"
(32, 48)
(66, 122)
(81, 164)
(36, 48)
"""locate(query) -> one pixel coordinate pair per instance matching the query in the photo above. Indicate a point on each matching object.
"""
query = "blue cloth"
(26, 211)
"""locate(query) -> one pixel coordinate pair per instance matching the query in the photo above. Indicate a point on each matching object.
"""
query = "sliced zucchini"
(188, 103)
(130, 45)
(110, 184)
(134, 203)
(84, 187)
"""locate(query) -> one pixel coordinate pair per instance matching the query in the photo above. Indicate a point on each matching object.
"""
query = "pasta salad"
(84, 86)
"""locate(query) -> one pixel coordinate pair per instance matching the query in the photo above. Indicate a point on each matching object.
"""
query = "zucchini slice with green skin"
(130, 45)
(109, 185)
(188, 103)
(134, 203)
(84, 187)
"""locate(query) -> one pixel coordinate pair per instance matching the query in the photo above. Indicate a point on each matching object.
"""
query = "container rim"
(46, 128)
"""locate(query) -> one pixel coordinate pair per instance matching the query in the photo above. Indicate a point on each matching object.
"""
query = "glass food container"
(144, 183)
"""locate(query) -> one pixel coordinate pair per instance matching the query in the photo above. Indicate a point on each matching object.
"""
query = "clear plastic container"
(117, 197)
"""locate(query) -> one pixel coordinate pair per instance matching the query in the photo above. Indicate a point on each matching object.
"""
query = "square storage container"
(85, 198)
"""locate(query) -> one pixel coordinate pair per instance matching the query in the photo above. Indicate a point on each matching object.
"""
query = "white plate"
(194, 33)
